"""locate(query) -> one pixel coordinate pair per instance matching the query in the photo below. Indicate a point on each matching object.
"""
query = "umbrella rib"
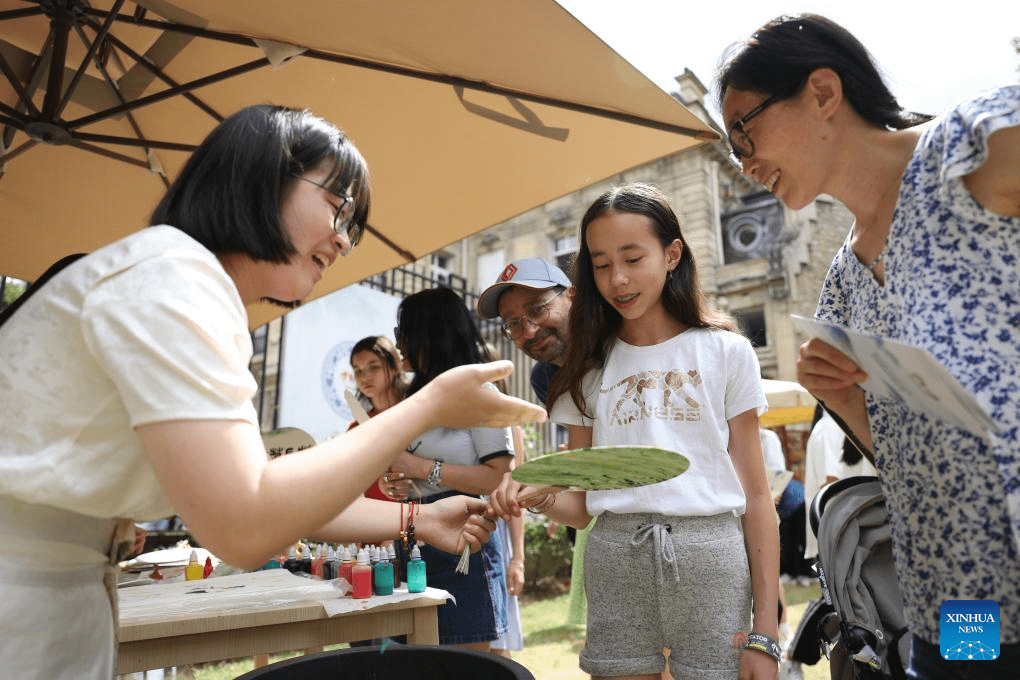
(156, 71)
(133, 141)
(14, 117)
(407, 255)
(60, 30)
(14, 153)
(115, 89)
(166, 94)
(32, 84)
(482, 86)
(179, 28)
(15, 82)
(89, 55)
(109, 154)
(19, 13)
(455, 81)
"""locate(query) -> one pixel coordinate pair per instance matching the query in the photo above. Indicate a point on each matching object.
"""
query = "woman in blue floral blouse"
(932, 260)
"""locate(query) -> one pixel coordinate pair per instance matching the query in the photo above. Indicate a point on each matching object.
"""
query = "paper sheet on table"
(269, 588)
(909, 374)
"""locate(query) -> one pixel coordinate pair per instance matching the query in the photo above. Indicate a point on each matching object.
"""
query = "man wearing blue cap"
(533, 298)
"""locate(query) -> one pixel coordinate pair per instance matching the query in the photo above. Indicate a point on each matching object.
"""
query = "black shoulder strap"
(37, 284)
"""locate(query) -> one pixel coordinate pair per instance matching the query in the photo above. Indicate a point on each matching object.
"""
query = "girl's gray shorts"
(656, 581)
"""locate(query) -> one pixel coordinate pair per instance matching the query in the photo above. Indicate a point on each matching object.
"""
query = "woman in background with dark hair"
(931, 261)
(128, 395)
(435, 332)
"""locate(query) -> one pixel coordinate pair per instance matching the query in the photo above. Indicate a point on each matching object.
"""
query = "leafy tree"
(12, 291)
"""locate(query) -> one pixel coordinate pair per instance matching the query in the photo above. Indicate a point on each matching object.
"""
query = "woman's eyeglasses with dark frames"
(343, 221)
(740, 141)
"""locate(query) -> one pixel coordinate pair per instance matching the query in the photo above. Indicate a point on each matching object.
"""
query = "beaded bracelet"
(763, 643)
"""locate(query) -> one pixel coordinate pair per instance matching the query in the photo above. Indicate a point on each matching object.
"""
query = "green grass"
(550, 647)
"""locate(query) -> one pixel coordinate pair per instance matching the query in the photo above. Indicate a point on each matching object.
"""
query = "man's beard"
(550, 353)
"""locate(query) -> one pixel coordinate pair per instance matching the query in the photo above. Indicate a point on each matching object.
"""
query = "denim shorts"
(473, 618)
(656, 581)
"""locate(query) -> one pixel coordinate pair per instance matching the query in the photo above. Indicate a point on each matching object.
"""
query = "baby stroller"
(865, 637)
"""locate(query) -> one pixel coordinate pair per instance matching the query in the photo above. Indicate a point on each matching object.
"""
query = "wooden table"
(162, 626)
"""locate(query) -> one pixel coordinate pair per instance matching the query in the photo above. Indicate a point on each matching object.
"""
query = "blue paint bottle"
(416, 581)
(382, 575)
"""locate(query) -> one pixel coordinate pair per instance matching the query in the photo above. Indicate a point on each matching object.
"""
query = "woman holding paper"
(931, 261)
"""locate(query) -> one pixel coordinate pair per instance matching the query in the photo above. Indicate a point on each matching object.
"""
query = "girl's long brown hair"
(593, 323)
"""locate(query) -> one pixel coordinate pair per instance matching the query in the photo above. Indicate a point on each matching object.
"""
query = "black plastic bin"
(395, 662)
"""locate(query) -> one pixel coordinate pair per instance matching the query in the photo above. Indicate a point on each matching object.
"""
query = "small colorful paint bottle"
(361, 577)
(346, 565)
(382, 575)
(331, 566)
(318, 561)
(416, 582)
(306, 559)
(292, 564)
(193, 572)
(392, 555)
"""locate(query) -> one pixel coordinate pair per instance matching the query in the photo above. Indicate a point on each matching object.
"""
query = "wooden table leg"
(426, 627)
(261, 660)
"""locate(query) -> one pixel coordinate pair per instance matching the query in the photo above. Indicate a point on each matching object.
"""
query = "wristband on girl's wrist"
(435, 477)
(764, 644)
(550, 500)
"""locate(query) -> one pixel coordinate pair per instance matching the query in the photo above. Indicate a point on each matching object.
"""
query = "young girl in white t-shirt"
(676, 564)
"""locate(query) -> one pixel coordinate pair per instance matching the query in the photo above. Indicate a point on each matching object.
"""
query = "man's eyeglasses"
(740, 141)
(514, 328)
(343, 221)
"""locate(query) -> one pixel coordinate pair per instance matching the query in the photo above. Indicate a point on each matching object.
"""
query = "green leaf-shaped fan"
(601, 467)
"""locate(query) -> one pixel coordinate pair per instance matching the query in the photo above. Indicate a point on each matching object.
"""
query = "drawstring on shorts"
(662, 545)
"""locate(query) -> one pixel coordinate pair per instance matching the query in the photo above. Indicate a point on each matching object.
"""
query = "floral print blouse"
(952, 286)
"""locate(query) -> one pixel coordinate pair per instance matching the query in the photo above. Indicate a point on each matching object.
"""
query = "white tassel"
(465, 559)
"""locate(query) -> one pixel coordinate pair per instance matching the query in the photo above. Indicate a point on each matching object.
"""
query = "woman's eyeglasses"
(343, 221)
(740, 141)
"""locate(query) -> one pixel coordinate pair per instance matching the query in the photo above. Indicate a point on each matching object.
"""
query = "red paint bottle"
(361, 577)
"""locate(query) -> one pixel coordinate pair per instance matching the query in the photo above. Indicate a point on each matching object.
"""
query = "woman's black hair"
(435, 332)
(228, 196)
(779, 57)
(851, 454)
(593, 323)
(380, 346)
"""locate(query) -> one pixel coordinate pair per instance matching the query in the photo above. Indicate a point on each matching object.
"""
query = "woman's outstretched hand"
(462, 398)
(452, 523)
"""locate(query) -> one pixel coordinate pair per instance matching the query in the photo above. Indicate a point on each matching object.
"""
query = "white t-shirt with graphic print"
(677, 395)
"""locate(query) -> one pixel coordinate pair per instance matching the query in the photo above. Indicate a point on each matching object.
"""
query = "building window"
(751, 230)
(564, 249)
(441, 263)
(752, 325)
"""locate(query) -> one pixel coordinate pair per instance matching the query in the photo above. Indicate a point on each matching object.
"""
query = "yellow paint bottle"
(193, 572)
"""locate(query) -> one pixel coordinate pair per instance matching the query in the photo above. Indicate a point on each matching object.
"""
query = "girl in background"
(675, 564)
(435, 332)
(380, 381)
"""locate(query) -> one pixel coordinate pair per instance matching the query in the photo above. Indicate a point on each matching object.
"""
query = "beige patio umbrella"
(468, 112)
